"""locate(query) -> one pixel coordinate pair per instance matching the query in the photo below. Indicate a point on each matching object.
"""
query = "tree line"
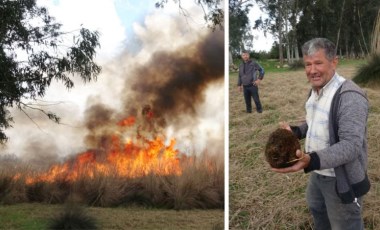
(348, 23)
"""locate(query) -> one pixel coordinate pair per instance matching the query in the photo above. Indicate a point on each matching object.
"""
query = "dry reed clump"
(36, 192)
(13, 192)
(369, 74)
(5, 186)
(199, 186)
(72, 217)
(281, 147)
(100, 190)
(193, 189)
(12, 189)
(57, 192)
(134, 192)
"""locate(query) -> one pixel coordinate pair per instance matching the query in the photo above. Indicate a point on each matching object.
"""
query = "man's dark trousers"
(252, 91)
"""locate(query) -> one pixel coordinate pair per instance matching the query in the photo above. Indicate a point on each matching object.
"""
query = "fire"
(129, 121)
(126, 157)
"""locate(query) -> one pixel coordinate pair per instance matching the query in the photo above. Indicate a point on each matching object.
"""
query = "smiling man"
(336, 141)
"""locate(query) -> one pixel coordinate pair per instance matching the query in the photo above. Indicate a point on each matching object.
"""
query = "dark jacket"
(347, 153)
(248, 72)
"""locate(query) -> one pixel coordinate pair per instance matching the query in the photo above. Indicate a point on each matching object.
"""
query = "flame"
(129, 121)
(126, 157)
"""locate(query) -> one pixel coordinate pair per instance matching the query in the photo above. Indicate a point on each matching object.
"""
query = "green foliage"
(347, 23)
(213, 11)
(238, 25)
(369, 73)
(33, 53)
(321, 18)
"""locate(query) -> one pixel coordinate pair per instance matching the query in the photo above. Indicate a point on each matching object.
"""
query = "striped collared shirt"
(317, 118)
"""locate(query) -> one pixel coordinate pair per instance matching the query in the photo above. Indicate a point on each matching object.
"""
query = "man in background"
(249, 81)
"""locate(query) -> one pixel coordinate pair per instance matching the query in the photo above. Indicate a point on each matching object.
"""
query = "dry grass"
(261, 199)
(199, 186)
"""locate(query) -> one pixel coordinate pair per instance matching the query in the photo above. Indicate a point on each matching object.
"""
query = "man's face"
(319, 70)
(245, 57)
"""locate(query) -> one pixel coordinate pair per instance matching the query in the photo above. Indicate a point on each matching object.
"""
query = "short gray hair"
(315, 44)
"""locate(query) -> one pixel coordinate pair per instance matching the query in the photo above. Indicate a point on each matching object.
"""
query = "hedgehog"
(280, 150)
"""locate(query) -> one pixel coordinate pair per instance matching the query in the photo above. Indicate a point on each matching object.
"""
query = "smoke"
(174, 83)
(176, 74)
(171, 86)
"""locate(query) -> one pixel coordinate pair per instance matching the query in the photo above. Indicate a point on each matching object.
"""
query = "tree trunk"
(286, 13)
(347, 49)
(340, 25)
(297, 55)
(361, 30)
(375, 46)
(281, 56)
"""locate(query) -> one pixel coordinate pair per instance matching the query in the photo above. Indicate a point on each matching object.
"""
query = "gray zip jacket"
(248, 73)
(347, 152)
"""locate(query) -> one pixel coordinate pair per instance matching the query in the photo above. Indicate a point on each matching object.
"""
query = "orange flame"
(129, 121)
(125, 158)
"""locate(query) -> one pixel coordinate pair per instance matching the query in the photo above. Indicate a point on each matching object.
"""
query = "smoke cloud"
(173, 84)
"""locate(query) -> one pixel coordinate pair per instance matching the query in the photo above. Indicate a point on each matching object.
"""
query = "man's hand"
(257, 82)
(240, 88)
(303, 162)
(284, 125)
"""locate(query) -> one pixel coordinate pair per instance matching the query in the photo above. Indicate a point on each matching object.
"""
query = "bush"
(99, 191)
(296, 65)
(35, 192)
(73, 217)
(369, 73)
(5, 186)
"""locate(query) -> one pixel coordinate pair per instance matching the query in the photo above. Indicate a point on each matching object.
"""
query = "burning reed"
(129, 158)
(129, 171)
(200, 185)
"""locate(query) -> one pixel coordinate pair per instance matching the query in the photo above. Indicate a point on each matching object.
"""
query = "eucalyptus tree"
(212, 9)
(347, 22)
(240, 36)
(33, 53)
(273, 23)
(375, 43)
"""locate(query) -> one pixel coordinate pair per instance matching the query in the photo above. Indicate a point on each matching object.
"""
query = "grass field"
(36, 216)
(261, 199)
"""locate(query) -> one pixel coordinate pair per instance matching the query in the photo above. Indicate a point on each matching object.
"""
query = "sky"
(261, 42)
(130, 32)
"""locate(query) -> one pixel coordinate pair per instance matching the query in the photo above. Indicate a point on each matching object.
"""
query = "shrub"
(100, 191)
(369, 73)
(297, 65)
(35, 192)
(57, 192)
(73, 217)
(5, 186)
(199, 186)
